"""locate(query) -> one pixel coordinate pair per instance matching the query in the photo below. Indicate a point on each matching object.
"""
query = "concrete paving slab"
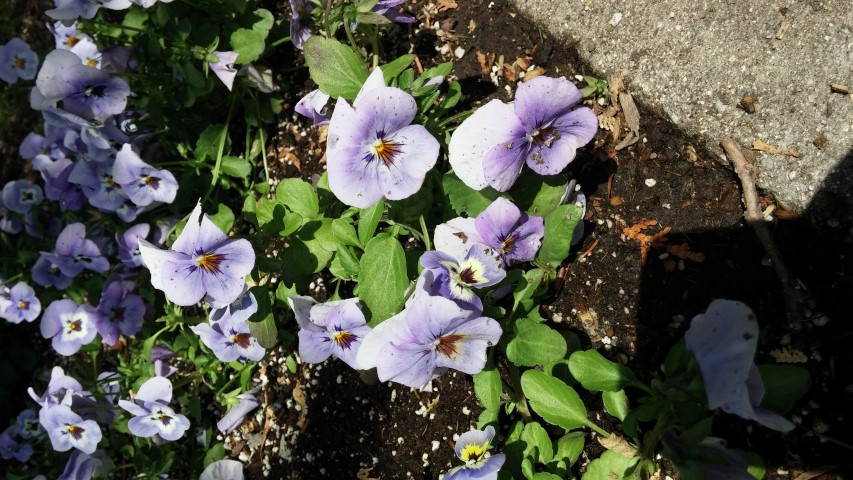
(694, 61)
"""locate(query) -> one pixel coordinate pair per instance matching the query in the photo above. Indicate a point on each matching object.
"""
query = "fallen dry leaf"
(839, 88)
(683, 251)
(816, 472)
(619, 445)
(616, 84)
(632, 114)
(534, 73)
(646, 241)
(764, 147)
(484, 66)
(364, 474)
(444, 5)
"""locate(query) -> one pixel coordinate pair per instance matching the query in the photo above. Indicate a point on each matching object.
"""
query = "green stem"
(518, 393)
(220, 150)
(327, 14)
(351, 39)
(12, 279)
(411, 230)
(425, 233)
(459, 116)
(280, 41)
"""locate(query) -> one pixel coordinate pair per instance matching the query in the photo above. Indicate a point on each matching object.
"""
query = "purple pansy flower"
(429, 336)
(68, 430)
(98, 184)
(391, 9)
(66, 36)
(72, 9)
(472, 448)
(329, 329)
(69, 325)
(246, 403)
(48, 274)
(17, 60)
(513, 235)
(22, 304)
(84, 91)
(11, 448)
(224, 67)
(455, 279)
(8, 222)
(59, 385)
(724, 340)
(543, 128)
(74, 252)
(301, 15)
(128, 244)
(225, 469)
(88, 52)
(230, 339)
(57, 186)
(160, 356)
(119, 313)
(314, 105)
(203, 260)
(373, 150)
(27, 424)
(240, 309)
(81, 466)
(21, 196)
(153, 418)
(143, 183)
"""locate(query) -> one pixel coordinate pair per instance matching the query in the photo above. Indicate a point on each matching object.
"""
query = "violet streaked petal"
(385, 109)
(199, 234)
(182, 281)
(541, 100)
(418, 152)
(155, 389)
(314, 346)
(237, 413)
(502, 163)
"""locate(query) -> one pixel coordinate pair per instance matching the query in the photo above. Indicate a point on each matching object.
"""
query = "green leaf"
(264, 22)
(249, 45)
(538, 443)
(299, 196)
(384, 264)
(465, 199)
(616, 403)
(344, 233)
(488, 387)
(365, 6)
(368, 220)
(283, 292)
(545, 476)
(223, 218)
(597, 373)
(559, 226)
(454, 94)
(611, 465)
(755, 464)
(237, 167)
(487, 417)
(262, 323)
(526, 287)
(396, 67)
(535, 344)
(345, 265)
(783, 385)
(569, 447)
(372, 18)
(214, 453)
(334, 67)
(554, 401)
(208, 142)
(538, 194)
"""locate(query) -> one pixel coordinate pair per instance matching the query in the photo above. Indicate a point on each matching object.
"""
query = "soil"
(325, 421)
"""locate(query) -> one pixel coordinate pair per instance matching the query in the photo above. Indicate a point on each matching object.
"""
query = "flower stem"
(220, 150)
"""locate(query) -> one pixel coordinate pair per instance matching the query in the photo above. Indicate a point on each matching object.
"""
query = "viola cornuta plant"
(148, 253)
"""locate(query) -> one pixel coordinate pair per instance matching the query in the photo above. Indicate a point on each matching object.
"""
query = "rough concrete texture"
(694, 61)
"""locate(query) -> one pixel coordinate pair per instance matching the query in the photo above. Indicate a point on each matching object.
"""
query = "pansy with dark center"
(334, 329)
(98, 184)
(75, 253)
(230, 339)
(152, 416)
(543, 128)
(21, 196)
(68, 325)
(17, 61)
(202, 261)
(143, 183)
(429, 336)
(455, 279)
(68, 430)
(472, 448)
(119, 313)
(22, 305)
(373, 150)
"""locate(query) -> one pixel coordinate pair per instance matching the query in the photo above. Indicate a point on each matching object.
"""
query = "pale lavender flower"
(143, 183)
(224, 67)
(160, 356)
(74, 252)
(203, 260)
(58, 387)
(314, 105)
(27, 424)
(373, 150)
(17, 60)
(84, 91)
(8, 222)
(239, 310)
(72, 9)
(128, 244)
(543, 128)
(455, 279)
(80, 466)
(98, 184)
(391, 10)
(301, 16)
(88, 52)
(152, 416)
(429, 336)
(329, 329)
(225, 469)
(11, 448)
(22, 304)
(50, 144)
(48, 274)
(246, 403)
(472, 448)
(149, 3)
(66, 36)
(230, 339)
(514, 236)
(21, 196)
(724, 340)
(70, 326)
(119, 313)
(68, 430)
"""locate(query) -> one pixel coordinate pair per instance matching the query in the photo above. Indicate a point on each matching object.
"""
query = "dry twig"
(746, 173)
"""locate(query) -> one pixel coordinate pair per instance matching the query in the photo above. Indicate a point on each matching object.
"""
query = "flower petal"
(541, 100)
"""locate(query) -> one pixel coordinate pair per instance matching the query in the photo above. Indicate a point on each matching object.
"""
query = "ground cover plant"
(145, 241)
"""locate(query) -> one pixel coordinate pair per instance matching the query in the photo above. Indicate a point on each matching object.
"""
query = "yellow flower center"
(344, 339)
(473, 452)
(385, 150)
(210, 262)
